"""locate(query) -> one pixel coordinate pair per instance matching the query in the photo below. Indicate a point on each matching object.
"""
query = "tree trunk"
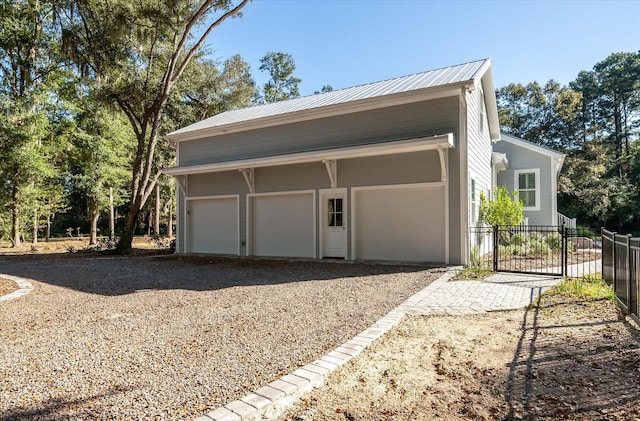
(47, 232)
(112, 225)
(156, 214)
(170, 219)
(126, 238)
(94, 215)
(15, 216)
(34, 239)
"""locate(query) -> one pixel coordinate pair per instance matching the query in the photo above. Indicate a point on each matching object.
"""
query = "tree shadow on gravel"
(111, 276)
(574, 370)
(54, 409)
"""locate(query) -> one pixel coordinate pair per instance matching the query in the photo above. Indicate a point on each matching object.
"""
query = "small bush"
(554, 240)
(519, 239)
(536, 236)
(538, 248)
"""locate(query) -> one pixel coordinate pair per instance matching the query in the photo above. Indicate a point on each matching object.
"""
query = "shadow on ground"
(119, 275)
(563, 369)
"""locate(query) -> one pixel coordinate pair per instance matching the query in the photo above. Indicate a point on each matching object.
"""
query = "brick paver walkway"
(498, 292)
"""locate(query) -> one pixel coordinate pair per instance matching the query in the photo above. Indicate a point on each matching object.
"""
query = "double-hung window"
(527, 183)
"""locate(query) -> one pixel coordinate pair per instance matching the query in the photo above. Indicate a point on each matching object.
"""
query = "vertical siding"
(525, 159)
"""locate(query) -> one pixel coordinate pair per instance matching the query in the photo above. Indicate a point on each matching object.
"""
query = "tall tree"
(282, 83)
(28, 69)
(100, 146)
(138, 52)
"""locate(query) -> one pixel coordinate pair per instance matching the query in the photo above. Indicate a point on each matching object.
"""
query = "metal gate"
(522, 249)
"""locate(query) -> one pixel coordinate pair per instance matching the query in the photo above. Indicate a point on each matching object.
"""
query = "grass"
(473, 272)
(589, 287)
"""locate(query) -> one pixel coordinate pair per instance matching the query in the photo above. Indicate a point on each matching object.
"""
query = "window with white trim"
(527, 184)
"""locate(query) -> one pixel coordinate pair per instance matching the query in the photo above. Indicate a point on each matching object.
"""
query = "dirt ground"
(565, 358)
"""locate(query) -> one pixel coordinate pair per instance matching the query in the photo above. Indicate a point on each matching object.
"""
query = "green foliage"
(595, 121)
(502, 210)
(589, 287)
(282, 83)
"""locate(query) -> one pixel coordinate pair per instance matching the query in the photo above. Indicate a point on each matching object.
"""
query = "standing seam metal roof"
(433, 78)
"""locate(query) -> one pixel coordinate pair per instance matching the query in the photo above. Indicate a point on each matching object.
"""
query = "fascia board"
(405, 146)
(532, 147)
(322, 112)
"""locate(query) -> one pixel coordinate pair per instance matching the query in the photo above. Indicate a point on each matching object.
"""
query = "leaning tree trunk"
(94, 215)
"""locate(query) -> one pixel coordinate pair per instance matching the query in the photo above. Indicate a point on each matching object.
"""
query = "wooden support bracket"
(332, 170)
(249, 178)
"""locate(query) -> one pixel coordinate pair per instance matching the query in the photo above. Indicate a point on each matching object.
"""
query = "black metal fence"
(550, 250)
(621, 268)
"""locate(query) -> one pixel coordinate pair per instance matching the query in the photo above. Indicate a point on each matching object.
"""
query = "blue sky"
(344, 43)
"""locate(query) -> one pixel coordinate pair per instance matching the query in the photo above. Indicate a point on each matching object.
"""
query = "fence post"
(565, 250)
(629, 310)
(495, 248)
(613, 258)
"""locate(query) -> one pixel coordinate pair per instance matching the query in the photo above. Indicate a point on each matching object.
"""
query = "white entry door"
(333, 208)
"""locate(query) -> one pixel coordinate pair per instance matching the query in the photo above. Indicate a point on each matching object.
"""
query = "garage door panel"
(400, 224)
(283, 225)
(214, 226)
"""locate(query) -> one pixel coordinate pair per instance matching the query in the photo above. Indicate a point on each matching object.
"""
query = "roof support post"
(249, 178)
(444, 164)
(332, 170)
(183, 183)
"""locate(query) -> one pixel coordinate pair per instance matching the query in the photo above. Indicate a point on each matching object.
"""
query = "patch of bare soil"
(7, 287)
(565, 358)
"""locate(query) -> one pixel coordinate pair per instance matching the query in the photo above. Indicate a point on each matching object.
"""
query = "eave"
(444, 141)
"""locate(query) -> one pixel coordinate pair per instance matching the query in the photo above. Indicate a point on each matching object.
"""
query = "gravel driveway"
(171, 337)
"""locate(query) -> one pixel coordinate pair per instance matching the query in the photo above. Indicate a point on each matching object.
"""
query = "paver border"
(24, 287)
(288, 389)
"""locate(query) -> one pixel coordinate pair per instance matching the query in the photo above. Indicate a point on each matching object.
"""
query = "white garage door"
(405, 224)
(213, 226)
(283, 225)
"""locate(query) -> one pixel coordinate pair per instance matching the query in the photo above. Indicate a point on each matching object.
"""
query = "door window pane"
(334, 213)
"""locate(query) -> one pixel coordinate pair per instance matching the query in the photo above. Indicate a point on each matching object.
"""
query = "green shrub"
(536, 236)
(519, 239)
(554, 240)
(538, 248)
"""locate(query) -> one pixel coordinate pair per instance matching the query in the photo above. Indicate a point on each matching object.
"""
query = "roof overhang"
(491, 103)
(444, 141)
(556, 157)
(384, 101)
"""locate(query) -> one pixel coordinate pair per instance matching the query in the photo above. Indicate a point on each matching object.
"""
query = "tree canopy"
(595, 121)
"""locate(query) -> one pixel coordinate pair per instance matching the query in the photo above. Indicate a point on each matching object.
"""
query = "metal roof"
(430, 79)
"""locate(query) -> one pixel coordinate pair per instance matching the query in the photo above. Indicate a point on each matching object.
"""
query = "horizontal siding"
(524, 159)
(479, 149)
(217, 184)
(419, 167)
(292, 177)
(404, 121)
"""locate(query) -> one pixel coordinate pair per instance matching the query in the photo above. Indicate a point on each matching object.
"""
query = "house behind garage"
(390, 170)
